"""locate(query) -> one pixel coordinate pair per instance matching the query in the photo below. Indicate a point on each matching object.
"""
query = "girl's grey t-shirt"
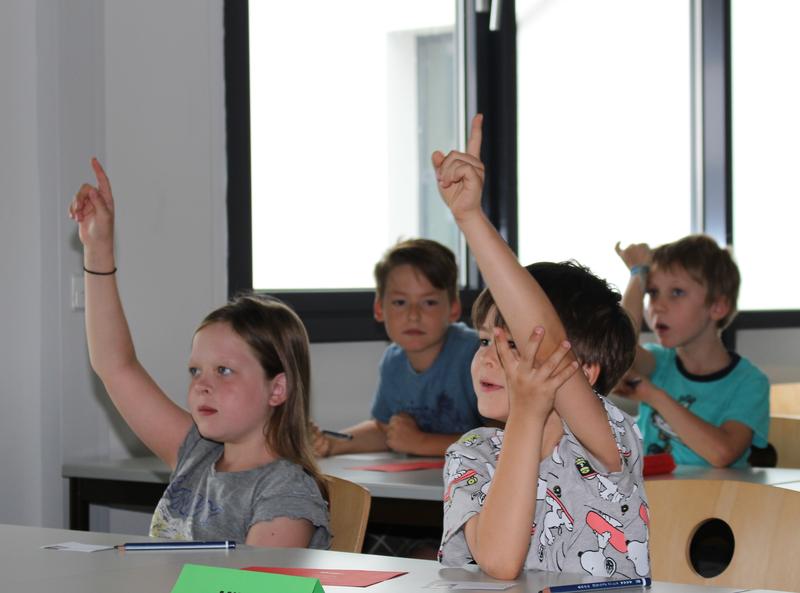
(201, 503)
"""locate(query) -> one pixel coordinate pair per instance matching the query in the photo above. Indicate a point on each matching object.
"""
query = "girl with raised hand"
(241, 460)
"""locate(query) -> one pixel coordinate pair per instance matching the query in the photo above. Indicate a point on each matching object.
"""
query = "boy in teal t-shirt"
(698, 401)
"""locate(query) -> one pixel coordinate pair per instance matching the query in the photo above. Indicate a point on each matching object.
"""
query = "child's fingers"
(531, 347)
(618, 248)
(78, 205)
(437, 158)
(554, 360)
(454, 159)
(98, 202)
(460, 172)
(504, 353)
(475, 136)
(564, 374)
(103, 184)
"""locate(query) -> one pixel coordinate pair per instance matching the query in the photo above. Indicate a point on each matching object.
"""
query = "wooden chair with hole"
(764, 521)
(349, 508)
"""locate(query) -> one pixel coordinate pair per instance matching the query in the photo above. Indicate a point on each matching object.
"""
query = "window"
(766, 125)
(604, 129)
(347, 101)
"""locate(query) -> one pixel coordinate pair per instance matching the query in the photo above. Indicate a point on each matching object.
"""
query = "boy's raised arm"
(521, 300)
(636, 258)
(161, 424)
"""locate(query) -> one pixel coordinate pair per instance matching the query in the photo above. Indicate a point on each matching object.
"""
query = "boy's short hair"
(596, 325)
(706, 262)
(433, 260)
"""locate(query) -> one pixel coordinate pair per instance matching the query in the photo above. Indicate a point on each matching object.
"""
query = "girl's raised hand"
(460, 175)
(530, 387)
(93, 209)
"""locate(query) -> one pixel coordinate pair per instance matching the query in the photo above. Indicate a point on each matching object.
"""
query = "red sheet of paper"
(402, 466)
(333, 577)
(658, 463)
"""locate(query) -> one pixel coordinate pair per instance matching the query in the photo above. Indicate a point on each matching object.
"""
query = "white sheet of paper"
(76, 547)
(475, 585)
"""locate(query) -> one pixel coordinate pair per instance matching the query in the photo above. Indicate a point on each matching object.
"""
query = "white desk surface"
(423, 484)
(24, 566)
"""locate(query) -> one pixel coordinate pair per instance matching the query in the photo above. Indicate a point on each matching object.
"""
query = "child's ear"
(592, 372)
(719, 308)
(455, 310)
(377, 309)
(277, 390)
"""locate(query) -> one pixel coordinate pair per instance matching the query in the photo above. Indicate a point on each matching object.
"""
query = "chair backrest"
(784, 434)
(765, 521)
(784, 398)
(349, 506)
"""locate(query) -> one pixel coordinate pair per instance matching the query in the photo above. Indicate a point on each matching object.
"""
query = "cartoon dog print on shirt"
(481, 494)
(638, 551)
(555, 520)
(608, 531)
(456, 475)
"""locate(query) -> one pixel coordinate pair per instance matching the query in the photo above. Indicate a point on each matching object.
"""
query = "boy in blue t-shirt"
(424, 399)
(699, 402)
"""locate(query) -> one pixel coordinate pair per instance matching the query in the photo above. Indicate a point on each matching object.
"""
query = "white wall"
(140, 85)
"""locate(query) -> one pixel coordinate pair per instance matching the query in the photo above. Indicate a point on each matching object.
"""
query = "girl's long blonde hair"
(279, 340)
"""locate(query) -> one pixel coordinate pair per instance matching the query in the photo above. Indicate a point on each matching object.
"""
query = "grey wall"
(140, 85)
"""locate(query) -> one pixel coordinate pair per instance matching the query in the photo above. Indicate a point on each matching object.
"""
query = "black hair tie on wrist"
(114, 271)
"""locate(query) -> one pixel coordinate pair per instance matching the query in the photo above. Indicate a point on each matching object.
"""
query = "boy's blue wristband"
(640, 270)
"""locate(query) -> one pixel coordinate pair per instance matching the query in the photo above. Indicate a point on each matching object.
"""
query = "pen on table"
(178, 545)
(338, 435)
(622, 584)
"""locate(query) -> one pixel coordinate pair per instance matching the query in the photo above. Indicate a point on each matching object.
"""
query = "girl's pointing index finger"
(103, 184)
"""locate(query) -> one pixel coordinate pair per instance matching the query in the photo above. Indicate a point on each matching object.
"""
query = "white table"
(24, 566)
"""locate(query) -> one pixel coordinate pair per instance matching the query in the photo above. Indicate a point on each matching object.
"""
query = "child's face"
(416, 314)
(677, 310)
(229, 391)
(488, 376)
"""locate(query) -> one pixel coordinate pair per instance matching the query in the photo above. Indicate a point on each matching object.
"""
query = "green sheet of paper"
(196, 578)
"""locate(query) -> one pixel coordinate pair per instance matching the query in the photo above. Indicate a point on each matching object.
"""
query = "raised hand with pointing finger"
(93, 209)
(460, 175)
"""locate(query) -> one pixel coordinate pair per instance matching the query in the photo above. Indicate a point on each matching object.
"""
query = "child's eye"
(512, 344)
(194, 371)
(431, 302)
(678, 292)
(484, 342)
(224, 370)
(398, 302)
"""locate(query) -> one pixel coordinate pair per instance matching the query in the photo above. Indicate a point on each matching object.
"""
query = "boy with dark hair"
(560, 487)
(698, 401)
(424, 399)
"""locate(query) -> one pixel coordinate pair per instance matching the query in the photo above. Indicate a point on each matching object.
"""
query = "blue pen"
(623, 584)
(178, 545)
(338, 435)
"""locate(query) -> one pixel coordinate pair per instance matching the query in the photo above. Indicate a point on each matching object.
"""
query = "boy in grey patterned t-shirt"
(585, 520)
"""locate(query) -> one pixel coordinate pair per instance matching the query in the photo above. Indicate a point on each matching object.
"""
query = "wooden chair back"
(765, 521)
(784, 398)
(349, 508)
(784, 434)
